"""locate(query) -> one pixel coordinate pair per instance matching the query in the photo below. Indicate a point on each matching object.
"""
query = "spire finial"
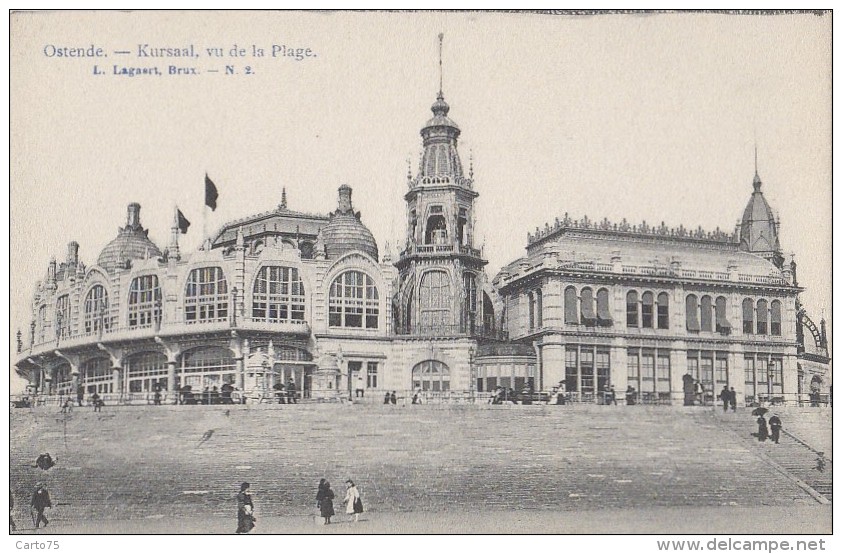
(441, 88)
(283, 198)
(471, 164)
(757, 182)
(408, 169)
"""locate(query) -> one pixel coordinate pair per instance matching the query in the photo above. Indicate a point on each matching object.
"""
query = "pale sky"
(649, 117)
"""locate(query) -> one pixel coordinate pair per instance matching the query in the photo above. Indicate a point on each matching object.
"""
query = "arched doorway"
(431, 375)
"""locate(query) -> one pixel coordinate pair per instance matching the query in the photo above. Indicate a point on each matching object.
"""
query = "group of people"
(324, 504)
(288, 395)
(392, 398)
(728, 398)
(774, 424)
(210, 395)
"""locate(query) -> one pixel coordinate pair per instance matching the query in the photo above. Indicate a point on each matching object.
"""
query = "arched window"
(762, 317)
(469, 282)
(603, 312)
(539, 308)
(354, 301)
(207, 296)
(530, 299)
(209, 366)
(96, 309)
(571, 309)
(63, 316)
(144, 370)
(42, 325)
(431, 375)
(748, 316)
(647, 310)
(436, 232)
(435, 301)
(631, 309)
(410, 305)
(707, 314)
(144, 301)
(663, 311)
(692, 310)
(776, 318)
(278, 295)
(722, 324)
(587, 307)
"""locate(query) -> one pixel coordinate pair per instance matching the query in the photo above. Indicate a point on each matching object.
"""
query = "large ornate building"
(287, 296)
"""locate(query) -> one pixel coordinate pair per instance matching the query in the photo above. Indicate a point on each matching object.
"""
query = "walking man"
(41, 501)
(725, 396)
(292, 392)
(733, 400)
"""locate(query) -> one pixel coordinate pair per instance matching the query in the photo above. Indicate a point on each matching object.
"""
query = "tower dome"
(345, 232)
(759, 228)
(132, 243)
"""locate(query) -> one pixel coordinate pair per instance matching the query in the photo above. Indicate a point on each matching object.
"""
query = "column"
(48, 384)
(552, 363)
(74, 382)
(171, 367)
(241, 373)
(117, 380)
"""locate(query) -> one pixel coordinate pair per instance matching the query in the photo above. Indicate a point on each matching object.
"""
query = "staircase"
(804, 450)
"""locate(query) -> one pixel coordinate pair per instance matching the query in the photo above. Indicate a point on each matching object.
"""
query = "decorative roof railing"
(439, 249)
(440, 180)
(625, 227)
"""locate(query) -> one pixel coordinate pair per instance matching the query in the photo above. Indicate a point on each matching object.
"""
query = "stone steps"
(137, 462)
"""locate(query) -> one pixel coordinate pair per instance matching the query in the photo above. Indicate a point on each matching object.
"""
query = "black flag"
(210, 193)
(183, 224)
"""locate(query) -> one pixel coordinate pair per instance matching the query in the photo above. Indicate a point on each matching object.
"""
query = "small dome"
(440, 110)
(345, 232)
(132, 243)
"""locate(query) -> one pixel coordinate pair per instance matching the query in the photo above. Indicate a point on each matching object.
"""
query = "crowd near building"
(286, 297)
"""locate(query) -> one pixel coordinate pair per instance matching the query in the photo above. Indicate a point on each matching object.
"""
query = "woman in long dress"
(245, 510)
(353, 502)
(325, 503)
(762, 429)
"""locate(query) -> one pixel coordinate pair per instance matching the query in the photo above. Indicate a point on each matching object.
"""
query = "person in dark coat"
(733, 399)
(775, 424)
(386, 398)
(762, 429)
(95, 400)
(45, 461)
(725, 396)
(631, 395)
(80, 395)
(40, 502)
(291, 392)
(279, 392)
(245, 510)
(393, 398)
(326, 502)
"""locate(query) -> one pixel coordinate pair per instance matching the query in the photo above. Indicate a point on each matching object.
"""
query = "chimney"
(345, 199)
(133, 216)
(51, 274)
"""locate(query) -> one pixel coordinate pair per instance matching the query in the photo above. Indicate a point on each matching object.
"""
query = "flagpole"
(204, 225)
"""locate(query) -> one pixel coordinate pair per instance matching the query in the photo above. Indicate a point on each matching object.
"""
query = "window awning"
(587, 310)
(693, 322)
(722, 322)
(603, 315)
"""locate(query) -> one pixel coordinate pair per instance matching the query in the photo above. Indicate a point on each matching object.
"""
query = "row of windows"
(648, 311)
(278, 295)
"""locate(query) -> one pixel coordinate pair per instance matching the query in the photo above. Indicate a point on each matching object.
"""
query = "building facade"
(289, 297)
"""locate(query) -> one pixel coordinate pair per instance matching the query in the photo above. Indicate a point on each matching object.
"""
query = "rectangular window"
(633, 364)
(748, 371)
(776, 376)
(663, 317)
(587, 367)
(571, 371)
(762, 366)
(721, 371)
(372, 375)
(707, 372)
(663, 371)
(603, 370)
(647, 372)
(693, 364)
(646, 314)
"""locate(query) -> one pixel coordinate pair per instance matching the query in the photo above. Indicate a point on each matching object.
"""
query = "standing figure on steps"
(775, 424)
(762, 429)
(245, 510)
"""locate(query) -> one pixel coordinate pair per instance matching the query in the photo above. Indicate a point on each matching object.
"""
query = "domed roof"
(345, 232)
(759, 229)
(132, 243)
(440, 109)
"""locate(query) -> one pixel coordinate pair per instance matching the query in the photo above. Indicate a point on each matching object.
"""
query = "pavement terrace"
(165, 463)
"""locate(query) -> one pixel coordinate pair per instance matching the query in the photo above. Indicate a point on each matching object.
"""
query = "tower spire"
(283, 198)
(441, 79)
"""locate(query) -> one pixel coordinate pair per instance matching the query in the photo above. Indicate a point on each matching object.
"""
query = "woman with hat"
(245, 510)
(353, 502)
(326, 502)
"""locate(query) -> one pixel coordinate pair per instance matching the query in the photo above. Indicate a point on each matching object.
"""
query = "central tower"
(441, 272)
